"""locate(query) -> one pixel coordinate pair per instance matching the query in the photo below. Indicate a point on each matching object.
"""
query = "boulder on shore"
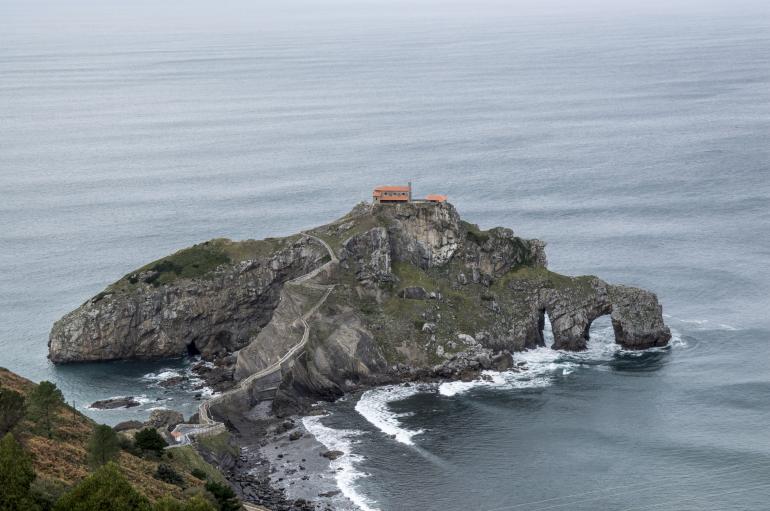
(332, 455)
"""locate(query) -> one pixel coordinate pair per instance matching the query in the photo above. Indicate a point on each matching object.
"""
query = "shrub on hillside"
(167, 474)
(12, 408)
(46, 492)
(226, 498)
(196, 503)
(150, 440)
(103, 446)
(199, 474)
(16, 476)
(44, 403)
(104, 489)
(129, 445)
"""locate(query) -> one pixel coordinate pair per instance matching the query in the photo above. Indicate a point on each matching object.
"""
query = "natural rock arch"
(636, 315)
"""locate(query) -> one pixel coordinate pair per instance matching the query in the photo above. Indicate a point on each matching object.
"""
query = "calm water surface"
(637, 146)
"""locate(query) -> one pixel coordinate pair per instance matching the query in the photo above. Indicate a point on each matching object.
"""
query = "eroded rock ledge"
(415, 286)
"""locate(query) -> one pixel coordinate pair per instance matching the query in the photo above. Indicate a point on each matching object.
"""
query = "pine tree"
(16, 475)
(44, 402)
(103, 446)
(105, 489)
(11, 410)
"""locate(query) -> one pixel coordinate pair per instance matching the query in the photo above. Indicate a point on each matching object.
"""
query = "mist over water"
(633, 138)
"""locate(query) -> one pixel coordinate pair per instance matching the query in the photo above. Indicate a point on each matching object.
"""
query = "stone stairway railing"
(273, 374)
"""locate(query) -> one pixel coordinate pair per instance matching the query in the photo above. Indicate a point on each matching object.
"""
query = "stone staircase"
(263, 384)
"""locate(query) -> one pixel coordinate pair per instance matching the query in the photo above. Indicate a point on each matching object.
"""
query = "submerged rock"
(115, 402)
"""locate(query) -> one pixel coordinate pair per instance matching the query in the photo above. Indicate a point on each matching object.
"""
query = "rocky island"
(386, 293)
(389, 293)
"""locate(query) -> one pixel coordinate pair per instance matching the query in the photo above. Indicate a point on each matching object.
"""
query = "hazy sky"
(62, 17)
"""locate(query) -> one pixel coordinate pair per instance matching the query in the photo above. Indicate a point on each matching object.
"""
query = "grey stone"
(164, 419)
(466, 339)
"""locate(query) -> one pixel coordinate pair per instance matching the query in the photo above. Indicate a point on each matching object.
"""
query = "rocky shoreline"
(283, 466)
(280, 465)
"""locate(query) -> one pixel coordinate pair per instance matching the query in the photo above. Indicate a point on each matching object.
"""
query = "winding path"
(207, 425)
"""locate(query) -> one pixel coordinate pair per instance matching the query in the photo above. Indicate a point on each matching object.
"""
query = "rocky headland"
(386, 294)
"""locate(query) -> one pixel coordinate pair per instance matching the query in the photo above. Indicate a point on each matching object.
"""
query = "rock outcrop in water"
(407, 289)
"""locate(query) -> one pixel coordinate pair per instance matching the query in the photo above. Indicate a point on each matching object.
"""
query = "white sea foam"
(373, 406)
(541, 367)
(341, 440)
(207, 392)
(452, 388)
(676, 339)
(163, 374)
(704, 324)
(695, 321)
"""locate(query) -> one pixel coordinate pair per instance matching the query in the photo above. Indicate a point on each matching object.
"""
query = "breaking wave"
(162, 375)
(344, 467)
(190, 382)
(534, 368)
(374, 407)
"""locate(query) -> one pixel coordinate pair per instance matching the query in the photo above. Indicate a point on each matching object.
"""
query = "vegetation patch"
(197, 261)
(63, 447)
(474, 233)
(545, 278)
(346, 227)
(187, 460)
(218, 444)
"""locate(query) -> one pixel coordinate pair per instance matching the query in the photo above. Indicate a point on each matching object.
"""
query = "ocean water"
(634, 139)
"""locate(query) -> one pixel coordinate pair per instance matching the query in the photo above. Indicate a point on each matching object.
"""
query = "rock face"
(426, 235)
(215, 313)
(637, 318)
(386, 293)
(368, 256)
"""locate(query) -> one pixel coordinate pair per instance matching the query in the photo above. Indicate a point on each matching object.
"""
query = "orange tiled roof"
(392, 189)
(436, 198)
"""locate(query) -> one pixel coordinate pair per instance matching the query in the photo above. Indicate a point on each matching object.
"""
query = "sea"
(632, 137)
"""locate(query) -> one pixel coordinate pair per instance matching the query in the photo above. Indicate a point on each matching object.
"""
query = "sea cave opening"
(192, 349)
(545, 330)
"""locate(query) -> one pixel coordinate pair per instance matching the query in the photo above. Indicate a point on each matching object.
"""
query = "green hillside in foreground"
(54, 457)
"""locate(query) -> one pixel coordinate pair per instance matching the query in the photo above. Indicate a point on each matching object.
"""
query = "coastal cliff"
(212, 298)
(385, 293)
